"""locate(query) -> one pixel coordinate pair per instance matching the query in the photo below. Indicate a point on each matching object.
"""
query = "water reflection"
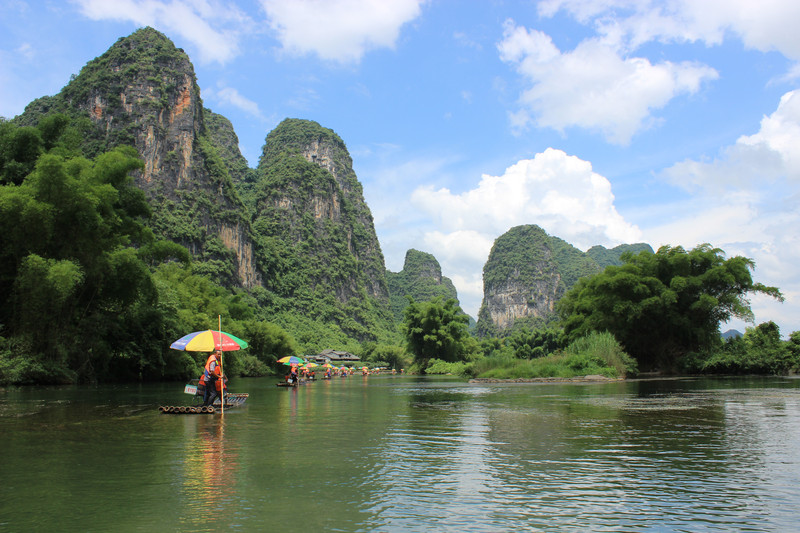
(211, 469)
(408, 454)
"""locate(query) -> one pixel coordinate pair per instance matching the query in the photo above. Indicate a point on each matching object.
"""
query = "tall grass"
(595, 354)
(606, 348)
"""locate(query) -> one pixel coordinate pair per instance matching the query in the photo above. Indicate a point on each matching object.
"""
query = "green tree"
(268, 342)
(759, 351)
(662, 306)
(529, 344)
(393, 356)
(81, 302)
(436, 329)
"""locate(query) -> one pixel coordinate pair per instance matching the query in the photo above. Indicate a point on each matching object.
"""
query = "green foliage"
(436, 330)
(269, 342)
(529, 344)
(493, 346)
(596, 354)
(605, 257)
(759, 351)
(67, 266)
(458, 368)
(393, 356)
(421, 279)
(662, 306)
(603, 349)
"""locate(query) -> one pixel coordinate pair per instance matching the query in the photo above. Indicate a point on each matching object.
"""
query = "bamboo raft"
(231, 400)
(186, 409)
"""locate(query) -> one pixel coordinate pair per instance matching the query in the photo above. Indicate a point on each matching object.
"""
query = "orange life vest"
(212, 368)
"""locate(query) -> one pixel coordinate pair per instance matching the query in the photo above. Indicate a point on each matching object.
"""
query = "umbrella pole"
(221, 369)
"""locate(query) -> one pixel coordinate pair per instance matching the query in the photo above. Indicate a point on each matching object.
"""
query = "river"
(400, 454)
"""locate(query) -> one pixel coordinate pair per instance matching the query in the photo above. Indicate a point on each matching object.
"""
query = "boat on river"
(197, 389)
(287, 383)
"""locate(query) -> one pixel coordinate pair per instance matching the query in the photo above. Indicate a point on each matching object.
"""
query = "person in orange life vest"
(212, 372)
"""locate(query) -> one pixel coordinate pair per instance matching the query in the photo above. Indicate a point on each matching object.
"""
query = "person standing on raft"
(212, 373)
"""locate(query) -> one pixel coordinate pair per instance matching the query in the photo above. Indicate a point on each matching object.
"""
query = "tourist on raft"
(211, 376)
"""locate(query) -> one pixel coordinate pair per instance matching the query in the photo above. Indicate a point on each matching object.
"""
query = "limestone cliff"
(421, 278)
(321, 250)
(528, 271)
(143, 92)
(525, 275)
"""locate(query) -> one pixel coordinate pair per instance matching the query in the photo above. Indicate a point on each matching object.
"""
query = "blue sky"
(603, 121)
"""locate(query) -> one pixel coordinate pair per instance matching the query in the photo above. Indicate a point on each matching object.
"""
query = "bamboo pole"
(221, 369)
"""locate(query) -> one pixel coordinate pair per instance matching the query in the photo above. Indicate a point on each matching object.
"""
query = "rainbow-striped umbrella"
(208, 341)
(291, 360)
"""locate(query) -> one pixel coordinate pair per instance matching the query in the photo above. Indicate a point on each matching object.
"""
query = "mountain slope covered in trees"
(528, 271)
(421, 279)
(325, 275)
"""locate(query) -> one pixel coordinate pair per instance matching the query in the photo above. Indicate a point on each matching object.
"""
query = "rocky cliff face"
(308, 203)
(143, 92)
(421, 278)
(523, 279)
(528, 271)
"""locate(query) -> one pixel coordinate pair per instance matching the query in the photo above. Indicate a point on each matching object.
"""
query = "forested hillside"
(143, 92)
(326, 282)
(324, 270)
(421, 279)
(528, 271)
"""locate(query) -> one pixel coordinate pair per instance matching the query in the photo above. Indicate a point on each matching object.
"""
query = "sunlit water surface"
(401, 454)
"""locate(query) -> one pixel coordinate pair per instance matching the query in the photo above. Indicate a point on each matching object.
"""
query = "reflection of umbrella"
(208, 341)
(291, 360)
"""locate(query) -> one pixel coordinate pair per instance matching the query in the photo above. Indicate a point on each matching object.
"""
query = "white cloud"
(211, 26)
(745, 202)
(558, 192)
(26, 51)
(231, 97)
(771, 154)
(766, 26)
(339, 30)
(593, 86)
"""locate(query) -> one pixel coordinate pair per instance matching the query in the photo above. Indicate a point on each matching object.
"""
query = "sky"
(602, 121)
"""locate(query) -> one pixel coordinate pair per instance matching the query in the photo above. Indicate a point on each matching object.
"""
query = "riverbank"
(579, 379)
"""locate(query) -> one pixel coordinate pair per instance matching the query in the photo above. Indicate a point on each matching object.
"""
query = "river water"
(401, 454)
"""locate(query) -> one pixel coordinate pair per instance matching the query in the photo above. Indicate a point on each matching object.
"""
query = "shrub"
(595, 354)
(437, 366)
